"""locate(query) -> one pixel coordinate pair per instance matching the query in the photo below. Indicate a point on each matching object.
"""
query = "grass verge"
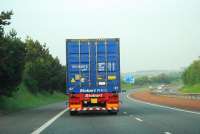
(191, 89)
(126, 86)
(23, 99)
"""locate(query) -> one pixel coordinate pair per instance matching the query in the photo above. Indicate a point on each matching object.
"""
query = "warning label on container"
(101, 66)
(73, 80)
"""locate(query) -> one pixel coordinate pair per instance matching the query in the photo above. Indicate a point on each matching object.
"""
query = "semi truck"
(93, 75)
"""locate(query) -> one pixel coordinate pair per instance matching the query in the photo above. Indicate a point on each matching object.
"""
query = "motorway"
(134, 118)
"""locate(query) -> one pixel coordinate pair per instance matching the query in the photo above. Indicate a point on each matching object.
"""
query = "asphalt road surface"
(134, 118)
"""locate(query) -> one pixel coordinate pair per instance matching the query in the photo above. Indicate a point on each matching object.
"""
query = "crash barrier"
(192, 96)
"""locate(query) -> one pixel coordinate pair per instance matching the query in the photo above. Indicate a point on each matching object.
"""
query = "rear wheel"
(73, 113)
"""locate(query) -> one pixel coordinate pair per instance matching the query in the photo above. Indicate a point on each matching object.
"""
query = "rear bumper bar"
(94, 109)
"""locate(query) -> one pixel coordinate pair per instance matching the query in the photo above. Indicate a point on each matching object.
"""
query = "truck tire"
(73, 113)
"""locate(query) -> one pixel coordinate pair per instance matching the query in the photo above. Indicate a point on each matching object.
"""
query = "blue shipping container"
(93, 65)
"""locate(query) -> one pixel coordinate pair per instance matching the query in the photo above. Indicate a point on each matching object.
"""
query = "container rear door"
(78, 65)
(93, 66)
(113, 65)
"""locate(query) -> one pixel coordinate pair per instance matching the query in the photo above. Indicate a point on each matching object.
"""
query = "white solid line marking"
(138, 119)
(167, 133)
(157, 105)
(48, 123)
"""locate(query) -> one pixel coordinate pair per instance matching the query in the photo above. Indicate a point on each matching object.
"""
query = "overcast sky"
(154, 34)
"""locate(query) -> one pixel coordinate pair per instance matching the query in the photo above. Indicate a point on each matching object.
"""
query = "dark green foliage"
(28, 61)
(126, 86)
(12, 54)
(161, 78)
(42, 71)
(35, 50)
(144, 80)
(191, 75)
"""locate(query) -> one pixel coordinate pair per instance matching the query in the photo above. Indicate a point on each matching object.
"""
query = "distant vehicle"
(163, 85)
(159, 91)
(150, 87)
(93, 75)
(159, 87)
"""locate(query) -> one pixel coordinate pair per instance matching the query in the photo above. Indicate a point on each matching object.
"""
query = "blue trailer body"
(93, 65)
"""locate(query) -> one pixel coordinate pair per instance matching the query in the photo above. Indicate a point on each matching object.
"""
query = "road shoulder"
(27, 121)
(167, 101)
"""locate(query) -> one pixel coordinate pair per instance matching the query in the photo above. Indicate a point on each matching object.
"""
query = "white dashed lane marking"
(138, 119)
(167, 133)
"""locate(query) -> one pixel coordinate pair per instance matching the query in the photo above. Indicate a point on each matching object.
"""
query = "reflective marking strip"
(109, 108)
(94, 108)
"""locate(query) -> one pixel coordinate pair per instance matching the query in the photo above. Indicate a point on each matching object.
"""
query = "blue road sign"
(129, 78)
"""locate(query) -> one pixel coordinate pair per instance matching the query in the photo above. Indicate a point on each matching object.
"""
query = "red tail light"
(114, 98)
(74, 99)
